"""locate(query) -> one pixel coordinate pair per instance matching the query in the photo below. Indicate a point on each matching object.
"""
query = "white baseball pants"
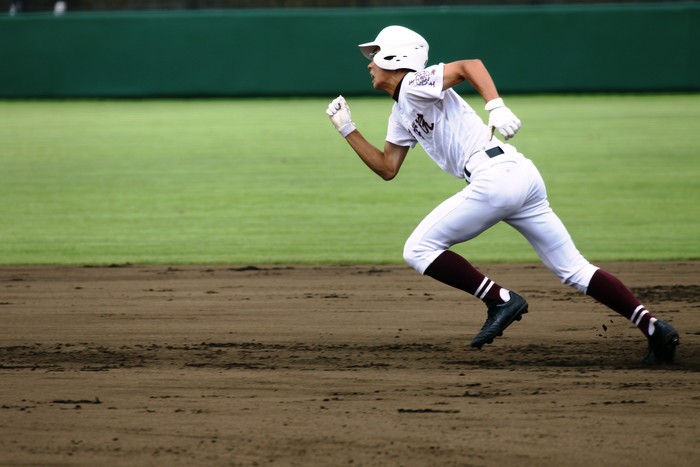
(506, 188)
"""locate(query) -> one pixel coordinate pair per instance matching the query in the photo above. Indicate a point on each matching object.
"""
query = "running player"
(502, 185)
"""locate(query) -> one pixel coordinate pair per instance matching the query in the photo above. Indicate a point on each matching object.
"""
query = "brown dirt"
(347, 365)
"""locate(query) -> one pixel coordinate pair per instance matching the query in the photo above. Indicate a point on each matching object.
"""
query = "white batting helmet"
(399, 47)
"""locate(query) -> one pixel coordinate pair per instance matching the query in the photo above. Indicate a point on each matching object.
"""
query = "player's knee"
(414, 255)
(410, 255)
(419, 256)
(581, 278)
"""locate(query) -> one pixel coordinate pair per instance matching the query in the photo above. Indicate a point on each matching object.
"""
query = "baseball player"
(502, 185)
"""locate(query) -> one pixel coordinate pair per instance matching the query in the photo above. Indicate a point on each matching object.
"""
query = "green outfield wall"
(311, 52)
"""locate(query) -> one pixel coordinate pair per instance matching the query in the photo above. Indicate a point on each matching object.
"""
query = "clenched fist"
(339, 113)
(502, 118)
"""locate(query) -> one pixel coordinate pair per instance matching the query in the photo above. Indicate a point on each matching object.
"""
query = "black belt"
(493, 152)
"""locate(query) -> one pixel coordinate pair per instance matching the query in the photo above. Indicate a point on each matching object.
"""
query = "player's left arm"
(474, 71)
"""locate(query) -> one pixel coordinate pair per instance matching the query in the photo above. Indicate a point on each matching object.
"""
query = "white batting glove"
(339, 113)
(502, 118)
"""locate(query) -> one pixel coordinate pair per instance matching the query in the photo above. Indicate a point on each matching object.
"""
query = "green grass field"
(254, 181)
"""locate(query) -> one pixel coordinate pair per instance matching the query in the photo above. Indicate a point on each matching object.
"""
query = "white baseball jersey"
(446, 126)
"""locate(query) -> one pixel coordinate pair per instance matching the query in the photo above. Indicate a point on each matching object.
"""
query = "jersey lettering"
(420, 124)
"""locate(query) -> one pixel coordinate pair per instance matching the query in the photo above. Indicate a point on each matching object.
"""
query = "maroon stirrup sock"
(453, 270)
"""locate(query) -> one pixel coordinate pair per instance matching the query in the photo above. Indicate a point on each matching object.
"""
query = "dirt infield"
(346, 365)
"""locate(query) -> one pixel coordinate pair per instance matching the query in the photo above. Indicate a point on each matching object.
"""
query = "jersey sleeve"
(425, 84)
(397, 134)
(418, 90)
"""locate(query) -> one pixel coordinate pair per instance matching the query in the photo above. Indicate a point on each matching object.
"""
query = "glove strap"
(494, 104)
(346, 129)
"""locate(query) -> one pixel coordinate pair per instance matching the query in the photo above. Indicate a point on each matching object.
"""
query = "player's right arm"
(384, 163)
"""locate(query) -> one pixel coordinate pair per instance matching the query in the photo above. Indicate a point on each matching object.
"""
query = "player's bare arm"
(474, 72)
(385, 163)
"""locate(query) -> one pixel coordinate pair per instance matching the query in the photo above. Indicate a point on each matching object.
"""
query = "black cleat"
(662, 344)
(499, 318)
